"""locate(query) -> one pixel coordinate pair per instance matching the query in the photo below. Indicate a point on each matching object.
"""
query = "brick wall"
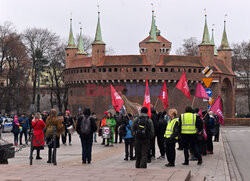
(237, 121)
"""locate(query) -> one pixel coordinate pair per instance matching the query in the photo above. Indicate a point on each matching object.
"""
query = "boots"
(38, 155)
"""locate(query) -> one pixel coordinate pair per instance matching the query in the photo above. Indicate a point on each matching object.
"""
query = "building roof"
(222, 67)
(123, 60)
(153, 30)
(224, 42)
(178, 60)
(98, 34)
(71, 41)
(159, 38)
(205, 37)
(80, 45)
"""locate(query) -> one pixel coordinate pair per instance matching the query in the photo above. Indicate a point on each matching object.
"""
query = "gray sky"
(125, 23)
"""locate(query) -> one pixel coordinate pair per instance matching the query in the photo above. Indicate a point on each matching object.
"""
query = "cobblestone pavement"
(108, 164)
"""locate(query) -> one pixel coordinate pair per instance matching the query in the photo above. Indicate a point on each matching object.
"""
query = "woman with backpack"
(85, 127)
(128, 138)
(15, 129)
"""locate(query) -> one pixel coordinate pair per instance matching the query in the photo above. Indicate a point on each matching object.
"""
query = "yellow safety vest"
(170, 128)
(188, 121)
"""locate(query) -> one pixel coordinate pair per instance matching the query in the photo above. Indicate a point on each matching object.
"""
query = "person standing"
(162, 124)
(68, 124)
(151, 152)
(24, 123)
(38, 136)
(85, 127)
(96, 122)
(189, 127)
(171, 137)
(210, 132)
(128, 138)
(216, 128)
(53, 121)
(15, 129)
(143, 130)
(110, 122)
(102, 124)
(118, 118)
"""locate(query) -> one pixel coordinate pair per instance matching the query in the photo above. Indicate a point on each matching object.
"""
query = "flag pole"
(156, 102)
(173, 91)
(193, 102)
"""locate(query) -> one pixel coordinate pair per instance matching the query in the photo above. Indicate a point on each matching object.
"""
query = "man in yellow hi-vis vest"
(171, 137)
(190, 126)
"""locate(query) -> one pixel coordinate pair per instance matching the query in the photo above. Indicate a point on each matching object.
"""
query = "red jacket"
(38, 138)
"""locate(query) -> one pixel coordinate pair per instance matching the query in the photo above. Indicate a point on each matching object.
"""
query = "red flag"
(117, 101)
(217, 109)
(164, 96)
(200, 113)
(201, 92)
(183, 85)
(146, 102)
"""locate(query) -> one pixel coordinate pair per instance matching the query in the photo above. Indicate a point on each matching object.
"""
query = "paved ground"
(108, 164)
(238, 140)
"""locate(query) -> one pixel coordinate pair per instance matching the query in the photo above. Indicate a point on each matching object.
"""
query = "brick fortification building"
(88, 78)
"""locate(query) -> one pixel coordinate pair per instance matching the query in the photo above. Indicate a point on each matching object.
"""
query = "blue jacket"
(128, 129)
(26, 124)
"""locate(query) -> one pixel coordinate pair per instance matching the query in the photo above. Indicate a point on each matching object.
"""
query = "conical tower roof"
(224, 42)
(206, 37)
(98, 34)
(80, 45)
(153, 31)
(71, 41)
(212, 42)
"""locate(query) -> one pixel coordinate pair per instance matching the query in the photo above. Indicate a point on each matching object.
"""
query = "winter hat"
(67, 111)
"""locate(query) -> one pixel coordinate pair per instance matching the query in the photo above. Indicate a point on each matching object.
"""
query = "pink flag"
(146, 102)
(200, 113)
(201, 92)
(117, 101)
(217, 109)
(204, 134)
(183, 85)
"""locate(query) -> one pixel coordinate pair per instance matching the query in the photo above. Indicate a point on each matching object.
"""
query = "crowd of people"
(192, 130)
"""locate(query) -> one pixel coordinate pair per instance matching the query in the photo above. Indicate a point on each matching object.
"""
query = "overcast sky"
(125, 23)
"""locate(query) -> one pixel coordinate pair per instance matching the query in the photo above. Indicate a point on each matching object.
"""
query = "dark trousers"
(129, 143)
(190, 140)
(170, 152)
(116, 135)
(160, 142)
(51, 155)
(151, 150)
(64, 137)
(86, 149)
(141, 148)
(24, 131)
(16, 138)
(180, 143)
(210, 146)
(216, 137)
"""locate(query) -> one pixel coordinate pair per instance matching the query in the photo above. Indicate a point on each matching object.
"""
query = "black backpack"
(122, 130)
(86, 125)
(142, 130)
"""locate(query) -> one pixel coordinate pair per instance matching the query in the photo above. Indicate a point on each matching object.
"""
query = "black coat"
(93, 127)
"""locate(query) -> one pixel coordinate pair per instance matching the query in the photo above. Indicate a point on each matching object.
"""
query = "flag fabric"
(200, 113)
(217, 109)
(146, 102)
(164, 96)
(201, 92)
(183, 85)
(204, 133)
(117, 101)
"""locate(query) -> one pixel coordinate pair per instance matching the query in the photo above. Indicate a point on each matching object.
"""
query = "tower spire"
(224, 42)
(71, 41)
(212, 42)
(153, 30)
(80, 44)
(206, 37)
(98, 34)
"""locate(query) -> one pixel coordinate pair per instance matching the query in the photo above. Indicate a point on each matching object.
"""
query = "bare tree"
(189, 47)
(241, 66)
(42, 40)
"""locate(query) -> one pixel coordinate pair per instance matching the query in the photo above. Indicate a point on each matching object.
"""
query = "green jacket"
(110, 122)
(151, 125)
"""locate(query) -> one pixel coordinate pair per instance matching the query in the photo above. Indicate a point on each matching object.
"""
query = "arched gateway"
(88, 78)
